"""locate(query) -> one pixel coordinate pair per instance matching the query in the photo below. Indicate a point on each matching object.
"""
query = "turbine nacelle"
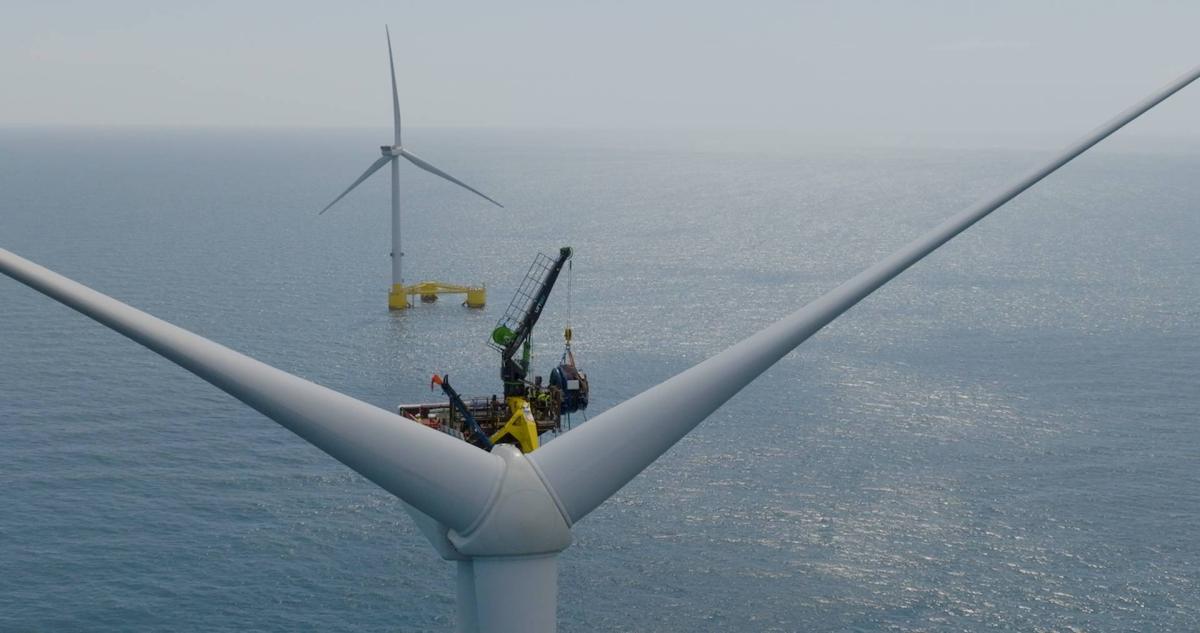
(390, 150)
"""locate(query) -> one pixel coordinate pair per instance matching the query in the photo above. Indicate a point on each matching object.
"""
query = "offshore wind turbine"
(398, 293)
(504, 516)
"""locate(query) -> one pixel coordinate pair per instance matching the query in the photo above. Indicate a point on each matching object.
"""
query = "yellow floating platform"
(429, 291)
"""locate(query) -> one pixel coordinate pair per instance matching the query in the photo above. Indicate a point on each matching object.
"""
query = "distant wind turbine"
(398, 295)
(504, 516)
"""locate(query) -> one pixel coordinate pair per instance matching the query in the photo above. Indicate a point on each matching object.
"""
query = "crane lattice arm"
(513, 330)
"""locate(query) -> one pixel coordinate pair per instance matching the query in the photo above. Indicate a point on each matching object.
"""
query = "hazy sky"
(863, 67)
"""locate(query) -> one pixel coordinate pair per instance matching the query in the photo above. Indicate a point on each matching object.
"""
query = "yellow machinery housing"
(520, 426)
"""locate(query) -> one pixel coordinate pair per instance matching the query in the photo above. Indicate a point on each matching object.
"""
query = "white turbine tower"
(398, 294)
(504, 516)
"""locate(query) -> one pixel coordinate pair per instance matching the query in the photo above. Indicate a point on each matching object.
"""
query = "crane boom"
(481, 439)
(513, 331)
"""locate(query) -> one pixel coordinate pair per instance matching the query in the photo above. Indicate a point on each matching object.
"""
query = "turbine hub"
(389, 150)
(523, 519)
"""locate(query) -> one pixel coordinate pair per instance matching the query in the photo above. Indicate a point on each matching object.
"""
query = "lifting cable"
(568, 356)
(568, 332)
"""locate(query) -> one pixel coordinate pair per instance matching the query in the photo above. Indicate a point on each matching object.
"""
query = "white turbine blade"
(443, 477)
(591, 463)
(419, 162)
(366, 174)
(395, 96)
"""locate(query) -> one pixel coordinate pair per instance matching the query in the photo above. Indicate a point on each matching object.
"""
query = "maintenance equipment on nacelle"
(530, 408)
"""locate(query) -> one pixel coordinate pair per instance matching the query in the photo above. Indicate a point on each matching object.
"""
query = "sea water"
(1003, 438)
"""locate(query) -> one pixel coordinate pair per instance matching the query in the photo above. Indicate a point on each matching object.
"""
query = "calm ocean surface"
(1005, 438)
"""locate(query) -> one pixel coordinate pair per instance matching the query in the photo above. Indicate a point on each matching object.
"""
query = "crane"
(513, 333)
(529, 407)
